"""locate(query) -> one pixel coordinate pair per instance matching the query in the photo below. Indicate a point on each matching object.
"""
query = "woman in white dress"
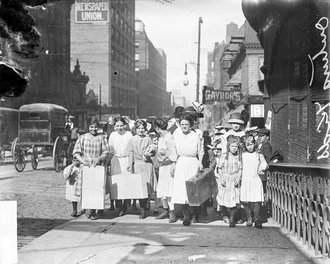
(166, 158)
(118, 141)
(190, 153)
(252, 194)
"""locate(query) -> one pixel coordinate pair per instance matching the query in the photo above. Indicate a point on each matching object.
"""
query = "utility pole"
(200, 21)
(100, 104)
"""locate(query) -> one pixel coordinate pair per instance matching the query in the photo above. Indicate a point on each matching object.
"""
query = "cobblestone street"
(40, 193)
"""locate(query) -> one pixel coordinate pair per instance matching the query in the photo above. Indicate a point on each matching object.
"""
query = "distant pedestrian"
(91, 149)
(236, 122)
(173, 124)
(252, 194)
(229, 178)
(72, 175)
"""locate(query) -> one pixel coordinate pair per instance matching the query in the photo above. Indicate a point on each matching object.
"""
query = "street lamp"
(185, 80)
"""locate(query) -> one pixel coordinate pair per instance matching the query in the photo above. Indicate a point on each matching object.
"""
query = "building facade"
(297, 79)
(105, 48)
(150, 64)
(245, 71)
(123, 83)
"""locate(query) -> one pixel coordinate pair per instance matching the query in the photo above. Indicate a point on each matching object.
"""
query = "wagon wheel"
(2, 155)
(18, 157)
(34, 158)
(58, 154)
(13, 144)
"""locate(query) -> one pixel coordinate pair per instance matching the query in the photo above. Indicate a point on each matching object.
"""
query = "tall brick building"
(151, 75)
(105, 50)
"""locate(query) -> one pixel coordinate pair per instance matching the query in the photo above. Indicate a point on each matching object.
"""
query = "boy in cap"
(265, 149)
(264, 146)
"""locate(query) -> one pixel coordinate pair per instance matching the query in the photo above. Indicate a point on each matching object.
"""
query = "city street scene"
(164, 131)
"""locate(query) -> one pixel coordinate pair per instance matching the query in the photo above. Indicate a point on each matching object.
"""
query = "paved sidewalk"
(129, 239)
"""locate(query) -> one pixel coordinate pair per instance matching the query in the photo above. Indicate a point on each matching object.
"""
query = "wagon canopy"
(42, 107)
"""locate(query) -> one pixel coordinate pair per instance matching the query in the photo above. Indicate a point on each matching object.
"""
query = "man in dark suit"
(178, 112)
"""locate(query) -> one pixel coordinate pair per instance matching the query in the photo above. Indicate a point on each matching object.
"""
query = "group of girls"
(178, 158)
(237, 174)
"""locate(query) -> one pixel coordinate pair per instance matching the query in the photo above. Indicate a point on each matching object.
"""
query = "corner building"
(104, 46)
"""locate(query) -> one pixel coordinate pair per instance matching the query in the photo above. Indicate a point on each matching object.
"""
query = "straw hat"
(235, 118)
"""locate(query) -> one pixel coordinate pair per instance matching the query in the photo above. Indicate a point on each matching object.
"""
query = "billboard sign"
(210, 95)
(91, 11)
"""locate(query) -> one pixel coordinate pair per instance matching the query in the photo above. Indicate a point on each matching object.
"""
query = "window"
(137, 44)
(137, 56)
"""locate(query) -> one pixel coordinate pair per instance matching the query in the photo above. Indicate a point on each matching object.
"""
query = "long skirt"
(186, 167)
(165, 182)
(146, 169)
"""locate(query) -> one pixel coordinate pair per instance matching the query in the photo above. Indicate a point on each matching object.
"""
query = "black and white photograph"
(164, 131)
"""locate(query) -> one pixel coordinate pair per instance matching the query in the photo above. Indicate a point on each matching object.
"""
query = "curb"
(309, 253)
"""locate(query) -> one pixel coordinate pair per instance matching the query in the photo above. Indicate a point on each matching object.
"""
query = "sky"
(174, 28)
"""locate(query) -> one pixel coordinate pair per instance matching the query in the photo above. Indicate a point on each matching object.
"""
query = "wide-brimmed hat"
(263, 131)
(178, 111)
(235, 118)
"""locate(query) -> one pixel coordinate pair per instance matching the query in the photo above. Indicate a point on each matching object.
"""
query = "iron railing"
(300, 196)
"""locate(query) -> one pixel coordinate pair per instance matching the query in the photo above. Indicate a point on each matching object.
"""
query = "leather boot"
(248, 214)
(186, 219)
(172, 217)
(256, 211)
(232, 217)
(143, 205)
(143, 213)
(122, 209)
(163, 215)
(74, 209)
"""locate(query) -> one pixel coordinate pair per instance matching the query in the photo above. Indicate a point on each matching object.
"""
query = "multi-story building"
(217, 74)
(151, 74)
(103, 41)
(123, 83)
(244, 71)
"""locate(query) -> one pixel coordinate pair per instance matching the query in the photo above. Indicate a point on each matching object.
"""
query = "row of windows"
(123, 77)
(122, 6)
(123, 97)
(122, 41)
(123, 25)
(121, 58)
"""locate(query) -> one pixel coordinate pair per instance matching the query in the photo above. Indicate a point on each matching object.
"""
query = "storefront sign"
(257, 110)
(210, 95)
(91, 11)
